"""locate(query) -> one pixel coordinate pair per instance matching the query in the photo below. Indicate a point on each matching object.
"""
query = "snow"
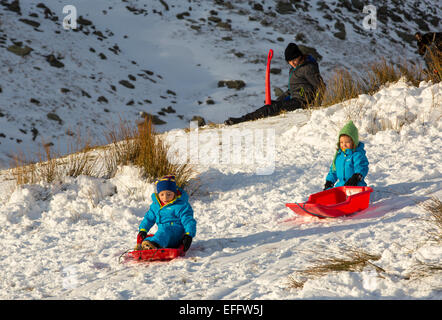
(186, 61)
(64, 240)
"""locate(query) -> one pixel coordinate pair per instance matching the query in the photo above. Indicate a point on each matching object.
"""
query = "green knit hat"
(349, 130)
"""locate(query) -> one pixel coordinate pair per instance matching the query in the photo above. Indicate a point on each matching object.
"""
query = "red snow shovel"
(268, 93)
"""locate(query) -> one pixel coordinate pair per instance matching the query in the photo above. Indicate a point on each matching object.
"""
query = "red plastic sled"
(162, 254)
(335, 202)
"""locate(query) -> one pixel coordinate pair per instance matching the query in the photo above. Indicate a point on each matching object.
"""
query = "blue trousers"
(168, 235)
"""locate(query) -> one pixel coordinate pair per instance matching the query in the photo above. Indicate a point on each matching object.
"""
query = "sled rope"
(106, 276)
(312, 213)
(153, 256)
(121, 255)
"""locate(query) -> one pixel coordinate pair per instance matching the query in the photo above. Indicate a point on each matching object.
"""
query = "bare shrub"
(349, 259)
(434, 209)
(143, 147)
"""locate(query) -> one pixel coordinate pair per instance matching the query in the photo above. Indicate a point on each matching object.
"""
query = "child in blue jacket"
(350, 164)
(172, 213)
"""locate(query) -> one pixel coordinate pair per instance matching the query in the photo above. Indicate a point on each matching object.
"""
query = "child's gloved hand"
(141, 236)
(328, 185)
(354, 179)
(187, 241)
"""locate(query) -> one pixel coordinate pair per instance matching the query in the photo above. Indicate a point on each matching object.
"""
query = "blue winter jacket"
(348, 163)
(175, 213)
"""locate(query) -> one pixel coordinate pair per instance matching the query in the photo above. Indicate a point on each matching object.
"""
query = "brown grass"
(23, 171)
(350, 260)
(423, 269)
(435, 74)
(50, 166)
(123, 148)
(48, 169)
(342, 85)
(44, 169)
(143, 147)
(138, 145)
(434, 209)
(80, 161)
(383, 72)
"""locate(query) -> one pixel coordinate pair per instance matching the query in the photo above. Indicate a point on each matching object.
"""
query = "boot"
(146, 245)
(232, 121)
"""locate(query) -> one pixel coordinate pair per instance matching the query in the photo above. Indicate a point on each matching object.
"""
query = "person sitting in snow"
(172, 213)
(429, 46)
(350, 164)
(304, 83)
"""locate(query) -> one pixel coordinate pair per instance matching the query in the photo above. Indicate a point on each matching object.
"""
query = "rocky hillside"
(173, 60)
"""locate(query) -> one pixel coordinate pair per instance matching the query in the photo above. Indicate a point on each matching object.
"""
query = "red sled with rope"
(160, 254)
(334, 202)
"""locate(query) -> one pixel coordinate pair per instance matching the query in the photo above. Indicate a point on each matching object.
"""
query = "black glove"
(141, 236)
(187, 241)
(354, 179)
(283, 96)
(328, 185)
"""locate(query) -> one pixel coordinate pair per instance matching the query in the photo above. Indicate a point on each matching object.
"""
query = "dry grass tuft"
(51, 166)
(80, 160)
(122, 149)
(435, 62)
(353, 260)
(136, 145)
(423, 269)
(383, 72)
(434, 209)
(143, 147)
(23, 171)
(350, 260)
(342, 86)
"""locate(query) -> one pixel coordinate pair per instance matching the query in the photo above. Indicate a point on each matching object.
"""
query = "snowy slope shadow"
(382, 192)
(383, 207)
(223, 247)
(218, 181)
(396, 197)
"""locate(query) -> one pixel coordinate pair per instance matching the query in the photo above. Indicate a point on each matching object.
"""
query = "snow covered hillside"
(166, 58)
(63, 241)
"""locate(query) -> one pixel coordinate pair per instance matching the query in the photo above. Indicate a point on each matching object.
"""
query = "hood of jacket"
(359, 148)
(349, 130)
(181, 198)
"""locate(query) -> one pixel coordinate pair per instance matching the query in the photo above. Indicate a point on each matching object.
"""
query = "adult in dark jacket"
(429, 46)
(304, 82)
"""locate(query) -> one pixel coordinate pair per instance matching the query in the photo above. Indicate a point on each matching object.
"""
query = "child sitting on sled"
(172, 213)
(350, 165)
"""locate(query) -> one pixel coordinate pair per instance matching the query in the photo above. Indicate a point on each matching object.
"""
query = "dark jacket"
(429, 46)
(305, 80)
(430, 39)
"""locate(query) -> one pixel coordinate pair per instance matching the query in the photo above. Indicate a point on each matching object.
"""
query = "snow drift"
(63, 240)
